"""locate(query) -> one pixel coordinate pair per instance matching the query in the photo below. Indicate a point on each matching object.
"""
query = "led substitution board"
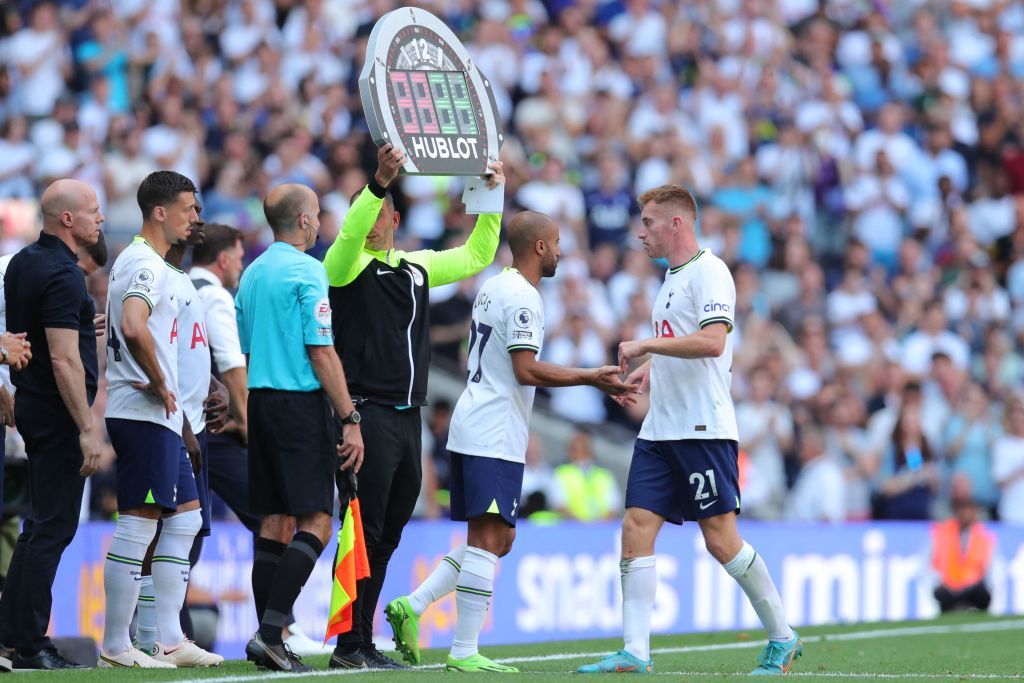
(421, 92)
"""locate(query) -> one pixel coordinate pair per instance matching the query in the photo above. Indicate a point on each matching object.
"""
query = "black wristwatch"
(352, 418)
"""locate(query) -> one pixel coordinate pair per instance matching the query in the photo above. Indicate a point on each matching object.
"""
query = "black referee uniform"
(380, 304)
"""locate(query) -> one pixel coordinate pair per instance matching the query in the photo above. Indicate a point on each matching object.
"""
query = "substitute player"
(487, 440)
(200, 394)
(154, 475)
(685, 458)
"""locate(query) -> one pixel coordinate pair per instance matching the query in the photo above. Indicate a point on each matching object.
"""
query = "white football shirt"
(193, 353)
(690, 398)
(139, 271)
(492, 416)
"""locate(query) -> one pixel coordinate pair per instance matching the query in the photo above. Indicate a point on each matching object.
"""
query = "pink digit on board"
(403, 98)
(424, 102)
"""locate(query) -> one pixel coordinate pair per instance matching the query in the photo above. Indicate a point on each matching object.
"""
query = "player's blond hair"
(671, 194)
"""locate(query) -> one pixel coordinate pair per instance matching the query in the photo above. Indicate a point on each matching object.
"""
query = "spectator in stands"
(582, 490)
(960, 554)
(909, 475)
(1008, 463)
(766, 432)
(968, 440)
(819, 492)
(577, 344)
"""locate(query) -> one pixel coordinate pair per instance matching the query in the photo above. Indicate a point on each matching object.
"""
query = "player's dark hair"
(219, 238)
(98, 252)
(282, 214)
(160, 188)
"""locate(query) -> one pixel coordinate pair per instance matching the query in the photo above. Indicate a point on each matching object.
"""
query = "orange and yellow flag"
(350, 565)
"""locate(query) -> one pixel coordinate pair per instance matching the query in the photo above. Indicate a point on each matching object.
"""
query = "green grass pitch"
(961, 648)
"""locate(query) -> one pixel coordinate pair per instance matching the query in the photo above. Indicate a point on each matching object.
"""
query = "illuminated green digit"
(443, 103)
(459, 90)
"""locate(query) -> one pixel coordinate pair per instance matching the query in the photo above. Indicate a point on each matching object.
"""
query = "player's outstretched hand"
(99, 321)
(496, 176)
(350, 450)
(161, 393)
(607, 380)
(389, 162)
(627, 351)
(641, 378)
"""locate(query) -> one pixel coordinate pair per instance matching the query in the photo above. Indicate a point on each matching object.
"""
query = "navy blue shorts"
(485, 485)
(203, 482)
(689, 479)
(152, 465)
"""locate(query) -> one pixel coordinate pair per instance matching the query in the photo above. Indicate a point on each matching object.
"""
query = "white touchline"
(982, 627)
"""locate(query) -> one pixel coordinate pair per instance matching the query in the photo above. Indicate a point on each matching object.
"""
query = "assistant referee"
(295, 378)
(380, 302)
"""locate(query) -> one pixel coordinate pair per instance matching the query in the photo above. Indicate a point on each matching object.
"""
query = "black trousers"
(389, 484)
(55, 487)
(228, 463)
(976, 596)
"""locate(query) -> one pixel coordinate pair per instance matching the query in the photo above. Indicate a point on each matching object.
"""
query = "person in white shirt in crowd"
(41, 60)
(877, 202)
(1008, 463)
(766, 430)
(933, 336)
(578, 344)
(819, 492)
(538, 477)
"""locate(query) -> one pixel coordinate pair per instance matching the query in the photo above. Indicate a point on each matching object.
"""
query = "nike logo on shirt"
(385, 272)
(188, 302)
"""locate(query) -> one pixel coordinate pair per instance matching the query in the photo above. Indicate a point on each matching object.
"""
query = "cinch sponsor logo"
(444, 148)
(708, 308)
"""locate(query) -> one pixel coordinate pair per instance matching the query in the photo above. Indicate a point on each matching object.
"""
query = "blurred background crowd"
(859, 165)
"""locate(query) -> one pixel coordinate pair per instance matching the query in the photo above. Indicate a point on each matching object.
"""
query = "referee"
(46, 298)
(295, 378)
(380, 303)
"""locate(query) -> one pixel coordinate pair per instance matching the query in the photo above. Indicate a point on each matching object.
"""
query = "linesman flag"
(350, 565)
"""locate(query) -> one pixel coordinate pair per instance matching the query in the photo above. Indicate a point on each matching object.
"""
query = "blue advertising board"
(561, 581)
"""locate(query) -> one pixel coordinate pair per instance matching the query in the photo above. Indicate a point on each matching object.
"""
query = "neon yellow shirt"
(348, 256)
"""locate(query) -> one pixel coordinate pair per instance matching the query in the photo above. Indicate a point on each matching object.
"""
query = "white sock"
(751, 574)
(472, 598)
(122, 578)
(147, 615)
(639, 584)
(170, 573)
(440, 583)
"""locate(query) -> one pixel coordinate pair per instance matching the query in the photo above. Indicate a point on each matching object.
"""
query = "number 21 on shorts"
(700, 480)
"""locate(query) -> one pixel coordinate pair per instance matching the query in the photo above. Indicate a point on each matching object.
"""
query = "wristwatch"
(3, 352)
(352, 418)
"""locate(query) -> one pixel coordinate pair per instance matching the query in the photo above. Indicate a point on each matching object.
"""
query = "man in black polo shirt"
(46, 298)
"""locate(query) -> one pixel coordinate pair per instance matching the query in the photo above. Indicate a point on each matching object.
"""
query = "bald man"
(47, 300)
(488, 437)
(297, 390)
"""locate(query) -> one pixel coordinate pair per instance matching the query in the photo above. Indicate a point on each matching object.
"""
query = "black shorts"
(292, 452)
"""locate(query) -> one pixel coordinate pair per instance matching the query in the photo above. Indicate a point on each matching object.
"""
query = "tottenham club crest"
(422, 92)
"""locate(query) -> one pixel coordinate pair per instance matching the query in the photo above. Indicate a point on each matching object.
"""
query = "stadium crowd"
(859, 165)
